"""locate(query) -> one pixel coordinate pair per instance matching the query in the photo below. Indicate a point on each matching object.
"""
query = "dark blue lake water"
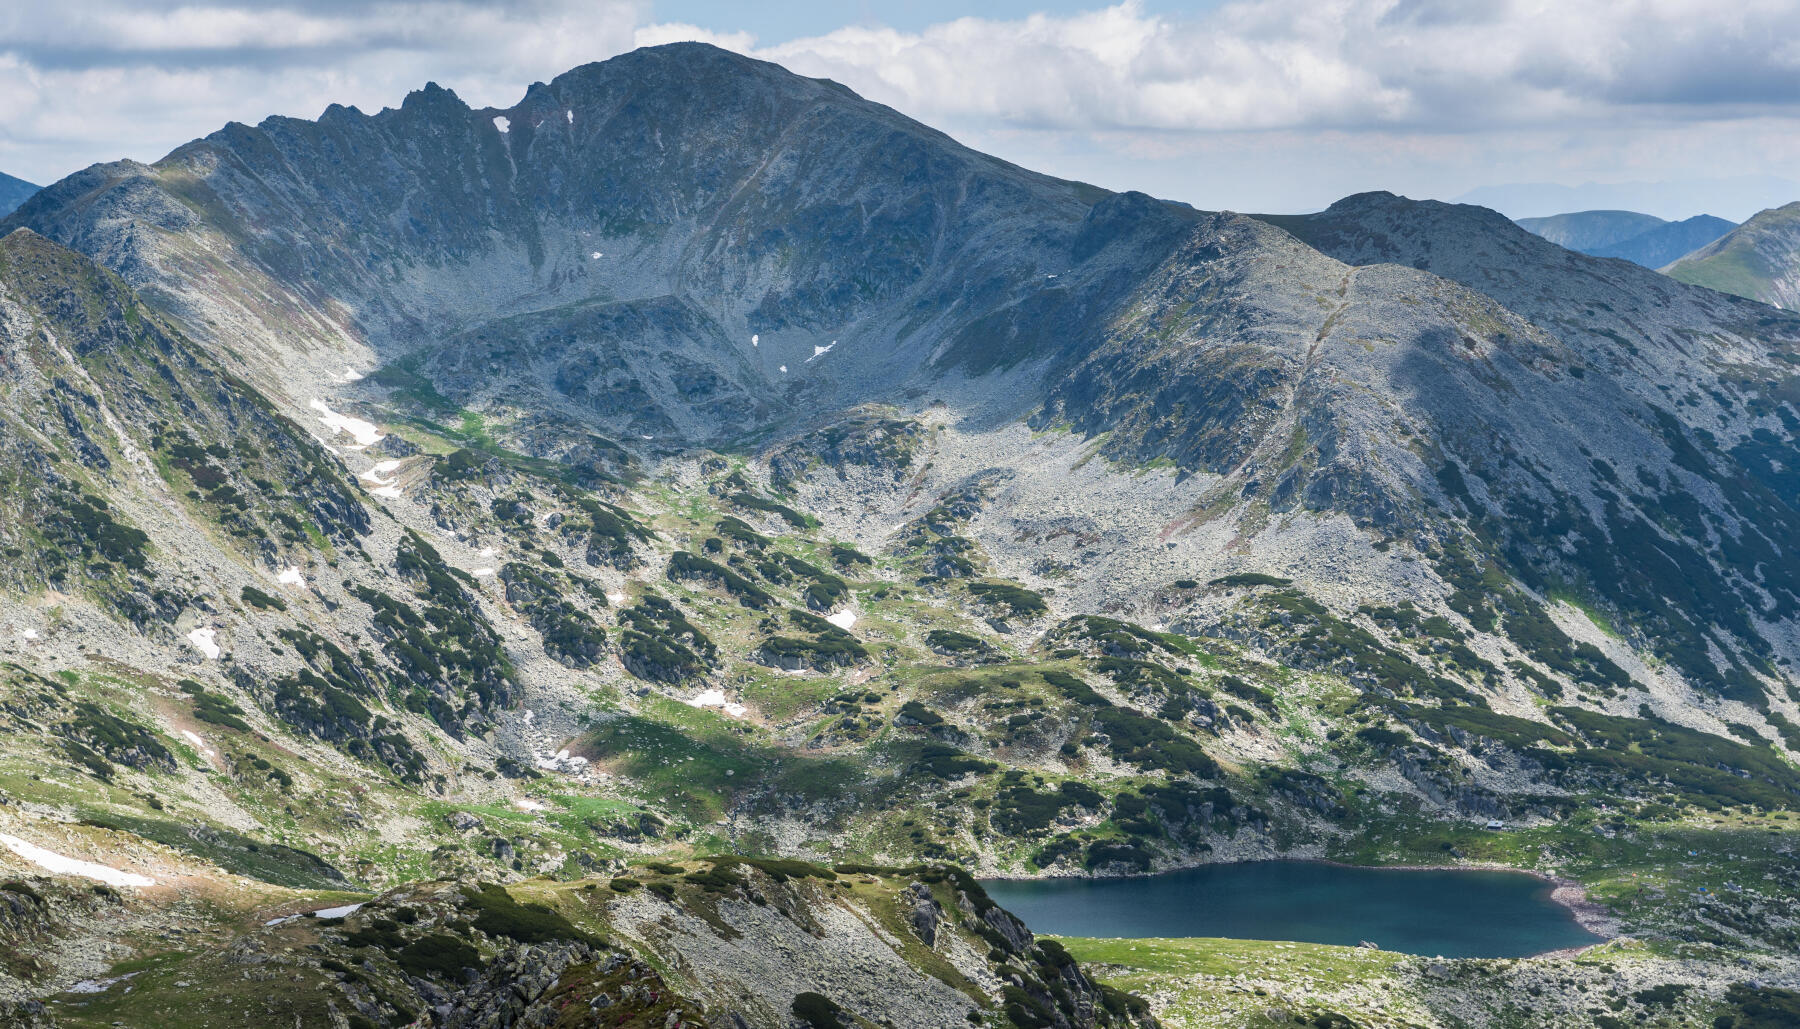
(1453, 914)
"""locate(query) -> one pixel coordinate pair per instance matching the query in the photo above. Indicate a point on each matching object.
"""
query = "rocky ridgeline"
(696, 458)
(722, 943)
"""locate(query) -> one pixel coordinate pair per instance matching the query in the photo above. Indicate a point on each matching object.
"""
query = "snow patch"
(595, 256)
(480, 573)
(199, 744)
(204, 639)
(502, 123)
(99, 985)
(716, 698)
(784, 369)
(755, 339)
(821, 351)
(527, 804)
(291, 577)
(375, 474)
(617, 599)
(30, 634)
(386, 492)
(364, 433)
(58, 864)
(352, 375)
(571, 115)
(843, 619)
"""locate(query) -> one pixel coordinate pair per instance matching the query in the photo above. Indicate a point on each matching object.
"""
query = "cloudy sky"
(1670, 106)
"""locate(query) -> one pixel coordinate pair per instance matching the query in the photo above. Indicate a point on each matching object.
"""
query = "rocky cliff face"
(688, 221)
(718, 944)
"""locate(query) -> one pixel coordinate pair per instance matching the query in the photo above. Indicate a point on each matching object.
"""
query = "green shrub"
(1250, 579)
(942, 761)
(438, 955)
(1016, 600)
(684, 565)
(756, 503)
(262, 601)
(847, 557)
(817, 1011)
(920, 714)
(949, 641)
(498, 914)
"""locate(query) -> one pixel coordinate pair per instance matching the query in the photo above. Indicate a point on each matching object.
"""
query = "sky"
(1673, 107)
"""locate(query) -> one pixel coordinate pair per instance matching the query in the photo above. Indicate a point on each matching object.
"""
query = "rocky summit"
(636, 557)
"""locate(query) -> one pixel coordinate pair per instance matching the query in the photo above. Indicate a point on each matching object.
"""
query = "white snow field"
(716, 698)
(205, 640)
(59, 864)
(364, 433)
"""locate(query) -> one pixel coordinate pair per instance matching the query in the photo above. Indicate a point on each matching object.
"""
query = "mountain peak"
(1395, 205)
(13, 192)
(432, 97)
(1759, 259)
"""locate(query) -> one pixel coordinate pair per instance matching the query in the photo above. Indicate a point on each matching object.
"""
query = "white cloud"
(1442, 65)
(94, 80)
(1429, 95)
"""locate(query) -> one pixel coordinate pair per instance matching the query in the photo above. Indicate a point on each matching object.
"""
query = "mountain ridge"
(13, 192)
(1667, 243)
(1638, 238)
(846, 496)
(1588, 230)
(1754, 260)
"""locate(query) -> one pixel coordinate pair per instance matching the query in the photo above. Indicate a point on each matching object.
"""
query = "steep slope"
(1587, 230)
(1684, 417)
(724, 942)
(721, 219)
(13, 192)
(1665, 243)
(1757, 259)
(1335, 421)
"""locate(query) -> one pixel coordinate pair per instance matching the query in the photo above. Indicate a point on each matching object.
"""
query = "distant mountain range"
(1735, 197)
(1759, 259)
(14, 192)
(1585, 230)
(1640, 238)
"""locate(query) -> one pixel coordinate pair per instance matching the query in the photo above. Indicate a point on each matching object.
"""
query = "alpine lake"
(1450, 913)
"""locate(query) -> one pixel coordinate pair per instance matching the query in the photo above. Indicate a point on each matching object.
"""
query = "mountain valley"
(637, 556)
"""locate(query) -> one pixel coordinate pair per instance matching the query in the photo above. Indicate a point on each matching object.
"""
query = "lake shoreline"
(1568, 894)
